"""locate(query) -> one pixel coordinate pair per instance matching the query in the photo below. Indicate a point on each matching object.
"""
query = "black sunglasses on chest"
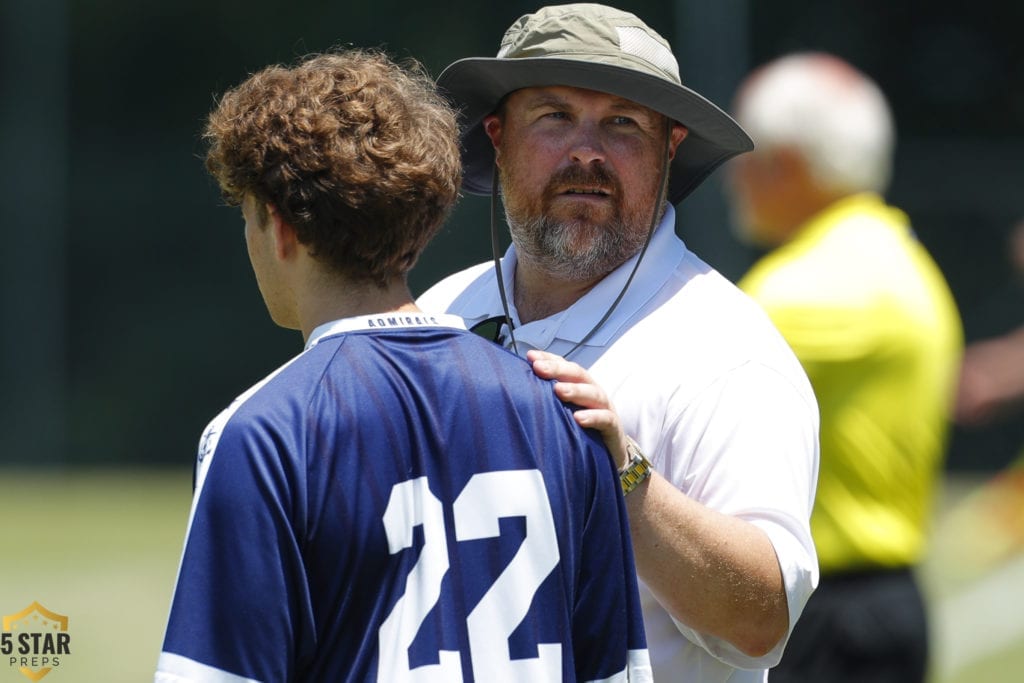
(490, 329)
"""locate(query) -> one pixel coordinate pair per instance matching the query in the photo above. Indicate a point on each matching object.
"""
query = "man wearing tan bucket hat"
(583, 122)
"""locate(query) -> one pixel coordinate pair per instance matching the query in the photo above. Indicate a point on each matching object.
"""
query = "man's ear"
(492, 126)
(676, 135)
(286, 241)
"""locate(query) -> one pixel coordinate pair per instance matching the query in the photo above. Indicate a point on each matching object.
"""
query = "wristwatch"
(636, 470)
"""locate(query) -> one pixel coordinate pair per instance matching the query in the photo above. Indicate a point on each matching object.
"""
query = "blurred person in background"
(987, 526)
(584, 125)
(992, 380)
(873, 322)
(992, 374)
(395, 501)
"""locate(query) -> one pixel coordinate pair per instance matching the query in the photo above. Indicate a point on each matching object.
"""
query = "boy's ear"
(286, 241)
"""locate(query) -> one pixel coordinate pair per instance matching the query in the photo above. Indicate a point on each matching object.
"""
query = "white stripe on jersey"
(172, 668)
(207, 446)
(211, 435)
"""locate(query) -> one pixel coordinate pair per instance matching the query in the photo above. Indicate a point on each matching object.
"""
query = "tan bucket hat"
(599, 48)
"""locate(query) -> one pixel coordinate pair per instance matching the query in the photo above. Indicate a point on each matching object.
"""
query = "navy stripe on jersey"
(404, 500)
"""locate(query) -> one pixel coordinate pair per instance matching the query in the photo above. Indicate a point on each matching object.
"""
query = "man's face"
(579, 172)
(769, 191)
(748, 183)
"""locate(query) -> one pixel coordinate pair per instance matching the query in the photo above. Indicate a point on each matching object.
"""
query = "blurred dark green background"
(129, 315)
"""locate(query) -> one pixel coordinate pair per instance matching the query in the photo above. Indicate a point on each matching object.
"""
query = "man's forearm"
(715, 573)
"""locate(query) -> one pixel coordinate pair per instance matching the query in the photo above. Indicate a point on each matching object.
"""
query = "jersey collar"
(381, 321)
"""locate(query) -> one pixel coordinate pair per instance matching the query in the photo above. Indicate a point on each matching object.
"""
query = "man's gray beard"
(548, 243)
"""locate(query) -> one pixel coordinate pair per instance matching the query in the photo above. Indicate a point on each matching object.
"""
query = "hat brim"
(476, 85)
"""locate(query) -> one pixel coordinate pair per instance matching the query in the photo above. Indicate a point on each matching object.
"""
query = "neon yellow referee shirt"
(872, 320)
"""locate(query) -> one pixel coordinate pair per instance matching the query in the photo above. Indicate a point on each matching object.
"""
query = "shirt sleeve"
(241, 601)
(750, 445)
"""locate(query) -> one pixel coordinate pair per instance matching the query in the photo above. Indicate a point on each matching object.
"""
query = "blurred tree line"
(129, 313)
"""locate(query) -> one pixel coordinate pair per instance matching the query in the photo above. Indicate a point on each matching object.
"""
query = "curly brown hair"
(357, 152)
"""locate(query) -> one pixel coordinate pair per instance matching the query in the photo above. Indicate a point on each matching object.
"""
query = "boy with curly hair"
(403, 500)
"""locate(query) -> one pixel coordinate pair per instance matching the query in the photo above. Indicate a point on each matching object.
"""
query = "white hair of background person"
(833, 114)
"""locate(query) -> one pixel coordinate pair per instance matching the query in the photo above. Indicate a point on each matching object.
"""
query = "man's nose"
(585, 145)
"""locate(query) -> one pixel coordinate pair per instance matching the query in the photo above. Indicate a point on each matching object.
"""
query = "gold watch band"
(636, 470)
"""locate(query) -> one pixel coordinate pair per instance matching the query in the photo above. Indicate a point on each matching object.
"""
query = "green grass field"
(974, 580)
(102, 548)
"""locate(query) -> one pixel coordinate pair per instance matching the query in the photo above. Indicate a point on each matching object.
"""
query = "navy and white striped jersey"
(404, 501)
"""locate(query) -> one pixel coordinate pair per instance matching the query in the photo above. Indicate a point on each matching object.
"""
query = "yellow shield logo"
(34, 640)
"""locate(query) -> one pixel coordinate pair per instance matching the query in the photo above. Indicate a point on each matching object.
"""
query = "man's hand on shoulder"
(573, 384)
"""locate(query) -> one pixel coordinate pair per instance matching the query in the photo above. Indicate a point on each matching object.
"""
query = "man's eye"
(558, 115)
(623, 121)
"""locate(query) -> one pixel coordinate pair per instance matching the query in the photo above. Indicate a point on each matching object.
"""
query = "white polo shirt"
(714, 396)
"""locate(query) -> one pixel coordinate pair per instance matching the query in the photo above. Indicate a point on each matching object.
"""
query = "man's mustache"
(591, 177)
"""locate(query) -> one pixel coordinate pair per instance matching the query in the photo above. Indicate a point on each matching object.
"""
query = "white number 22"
(486, 498)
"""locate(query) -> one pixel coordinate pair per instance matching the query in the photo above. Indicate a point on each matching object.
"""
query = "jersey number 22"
(486, 498)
